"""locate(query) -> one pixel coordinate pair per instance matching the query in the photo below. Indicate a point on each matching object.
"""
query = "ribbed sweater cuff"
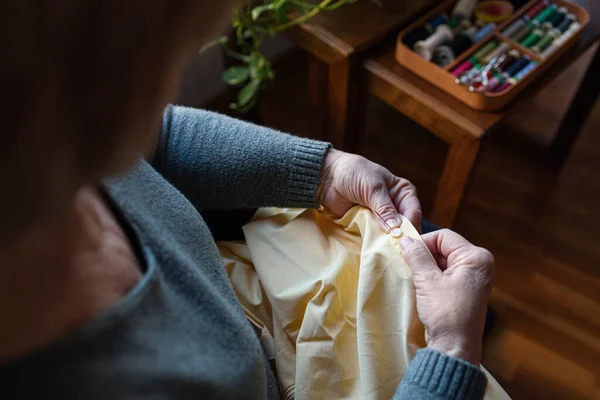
(449, 377)
(305, 169)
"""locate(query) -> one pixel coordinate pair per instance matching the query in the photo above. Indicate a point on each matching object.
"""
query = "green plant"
(253, 21)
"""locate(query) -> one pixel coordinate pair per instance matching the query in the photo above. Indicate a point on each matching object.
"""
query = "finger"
(382, 205)
(444, 242)
(407, 202)
(418, 257)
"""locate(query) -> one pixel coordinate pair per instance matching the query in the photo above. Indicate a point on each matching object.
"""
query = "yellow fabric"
(332, 301)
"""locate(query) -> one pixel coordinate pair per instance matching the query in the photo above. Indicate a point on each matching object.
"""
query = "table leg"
(455, 178)
(578, 112)
(341, 104)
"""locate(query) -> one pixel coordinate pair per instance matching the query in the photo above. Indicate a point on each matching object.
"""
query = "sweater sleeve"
(222, 163)
(436, 376)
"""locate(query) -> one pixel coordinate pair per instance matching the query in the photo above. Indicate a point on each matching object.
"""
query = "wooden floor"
(542, 224)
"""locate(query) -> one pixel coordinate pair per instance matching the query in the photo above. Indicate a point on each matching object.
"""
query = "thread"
(516, 66)
(486, 30)
(545, 42)
(498, 51)
(514, 27)
(446, 54)
(464, 9)
(523, 32)
(496, 81)
(523, 72)
(566, 23)
(502, 87)
(462, 68)
(425, 48)
(485, 50)
(413, 37)
(533, 38)
(545, 14)
(575, 26)
(469, 75)
(511, 57)
(556, 18)
(535, 10)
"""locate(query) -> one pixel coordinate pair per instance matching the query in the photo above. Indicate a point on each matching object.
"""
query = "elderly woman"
(111, 286)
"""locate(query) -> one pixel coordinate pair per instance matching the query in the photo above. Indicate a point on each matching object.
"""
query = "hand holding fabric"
(348, 180)
(453, 280)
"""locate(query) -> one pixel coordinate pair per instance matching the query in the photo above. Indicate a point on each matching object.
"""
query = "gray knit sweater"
(180, 333)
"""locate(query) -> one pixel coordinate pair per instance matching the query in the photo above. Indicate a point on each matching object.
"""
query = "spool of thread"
(498, 51)
(535, 10)
(514, 27)
(464, 67)
(545, 42)
(523, 32)
(464, 9)
(566, 23)
(446, 54)
(413, 37)
(573, 29)
(556, 18)
(464, 25)
(454, 22)
(485, 50)
(494, 11)
(437, 21)
(485, 31)
(545, 14)
(533, 38)
(516, 67)
(511, 57)
(496, 81)
(502, 87)
(425, 48)
(523, 72)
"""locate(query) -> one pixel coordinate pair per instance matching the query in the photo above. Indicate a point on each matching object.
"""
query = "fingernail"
(393, 223)
(396, 232)
(406, 241)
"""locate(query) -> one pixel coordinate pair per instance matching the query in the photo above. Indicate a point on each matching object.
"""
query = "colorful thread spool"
(485, 50)
(516, 67)
(566, 23)
(545, 14)
(464, 67)
(486, 30)
(494, 11)
(497, 52)
(523, 72)
(535, 10)
(533, 38)
(511, 57)
(425, 48)
(575, 26)
(514, 27)
(523, 32)
(502, 87)
(469, 75)
(446, 54)
(556, 18)
(545, 42)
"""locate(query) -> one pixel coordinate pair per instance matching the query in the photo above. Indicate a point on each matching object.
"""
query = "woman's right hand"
(453, 280)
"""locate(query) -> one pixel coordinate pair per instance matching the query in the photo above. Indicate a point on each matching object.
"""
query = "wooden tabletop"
(382, 63)
(359, 26)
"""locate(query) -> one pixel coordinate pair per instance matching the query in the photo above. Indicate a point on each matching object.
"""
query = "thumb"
(382, 205)
(418, 257)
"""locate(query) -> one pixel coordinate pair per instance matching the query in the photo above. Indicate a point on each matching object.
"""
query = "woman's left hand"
(348, 179)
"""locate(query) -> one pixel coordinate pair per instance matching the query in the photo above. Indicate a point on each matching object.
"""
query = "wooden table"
(336, 43)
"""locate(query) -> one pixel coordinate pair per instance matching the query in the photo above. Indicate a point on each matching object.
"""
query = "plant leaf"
(220, 41)
(235, 75)
(257, 65)
(256, 11)
(248, 92)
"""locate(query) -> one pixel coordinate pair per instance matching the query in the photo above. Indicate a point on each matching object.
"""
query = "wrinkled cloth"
(332, 301)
